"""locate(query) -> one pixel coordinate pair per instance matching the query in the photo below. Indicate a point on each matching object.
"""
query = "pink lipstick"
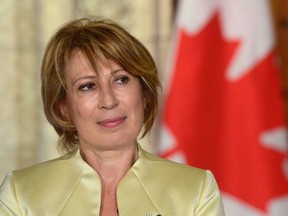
(111, 123)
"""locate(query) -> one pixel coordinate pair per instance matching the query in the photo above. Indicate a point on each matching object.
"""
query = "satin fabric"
(68, 186)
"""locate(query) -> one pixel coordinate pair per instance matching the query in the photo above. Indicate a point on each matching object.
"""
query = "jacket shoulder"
(44, 170)
(174, 168)
(32, 186)
(195, 188)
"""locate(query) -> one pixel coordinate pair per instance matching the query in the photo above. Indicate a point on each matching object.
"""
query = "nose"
(107, 99)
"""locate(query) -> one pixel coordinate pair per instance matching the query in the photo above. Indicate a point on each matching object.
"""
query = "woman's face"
(107, 109)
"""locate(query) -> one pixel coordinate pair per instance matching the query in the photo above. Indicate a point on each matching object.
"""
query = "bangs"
(94, 46)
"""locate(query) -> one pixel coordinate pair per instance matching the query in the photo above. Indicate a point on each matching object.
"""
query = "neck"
(111, 165)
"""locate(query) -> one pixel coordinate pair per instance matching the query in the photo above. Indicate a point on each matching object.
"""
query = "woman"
(99, 88)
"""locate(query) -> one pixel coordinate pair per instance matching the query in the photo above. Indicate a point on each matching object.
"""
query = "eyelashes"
(122, 80)
(87, 86)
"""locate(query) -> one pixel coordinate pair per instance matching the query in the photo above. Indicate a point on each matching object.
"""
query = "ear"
(64, 110)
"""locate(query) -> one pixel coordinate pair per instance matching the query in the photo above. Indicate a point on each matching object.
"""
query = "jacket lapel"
(133, 196)
(85, 197)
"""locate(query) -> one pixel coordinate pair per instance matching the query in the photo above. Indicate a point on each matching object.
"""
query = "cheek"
(139, 104)
(80, 108)
(133, 102)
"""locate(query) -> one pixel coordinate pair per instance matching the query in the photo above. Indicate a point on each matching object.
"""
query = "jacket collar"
(135, 192)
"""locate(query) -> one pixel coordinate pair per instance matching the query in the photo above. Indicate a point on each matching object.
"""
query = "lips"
(111, 123)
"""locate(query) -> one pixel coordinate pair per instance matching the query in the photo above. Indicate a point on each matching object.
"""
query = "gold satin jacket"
(68, 186)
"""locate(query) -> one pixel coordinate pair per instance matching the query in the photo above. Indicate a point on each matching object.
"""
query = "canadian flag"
(223, 108)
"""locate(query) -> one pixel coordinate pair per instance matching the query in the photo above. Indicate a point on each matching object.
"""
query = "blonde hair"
(96, 38)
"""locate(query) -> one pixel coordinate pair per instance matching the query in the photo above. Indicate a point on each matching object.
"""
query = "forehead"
(80, 62)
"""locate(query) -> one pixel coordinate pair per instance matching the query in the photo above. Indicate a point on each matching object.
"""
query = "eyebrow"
(117, 70)
(85, 77)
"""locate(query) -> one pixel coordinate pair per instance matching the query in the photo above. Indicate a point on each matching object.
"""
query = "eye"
(121, 80)
(87, 86)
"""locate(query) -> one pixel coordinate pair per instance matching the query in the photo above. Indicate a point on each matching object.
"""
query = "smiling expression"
(107, 107)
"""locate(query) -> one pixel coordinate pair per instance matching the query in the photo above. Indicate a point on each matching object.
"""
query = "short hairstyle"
(96, 38)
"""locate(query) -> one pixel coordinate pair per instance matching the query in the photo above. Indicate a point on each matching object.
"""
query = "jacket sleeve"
(8, 198)
(210, 201)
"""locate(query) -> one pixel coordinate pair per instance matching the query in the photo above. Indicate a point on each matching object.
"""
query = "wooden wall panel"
(280, 15)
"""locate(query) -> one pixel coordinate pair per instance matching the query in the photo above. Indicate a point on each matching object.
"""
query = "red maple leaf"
(217, 123)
